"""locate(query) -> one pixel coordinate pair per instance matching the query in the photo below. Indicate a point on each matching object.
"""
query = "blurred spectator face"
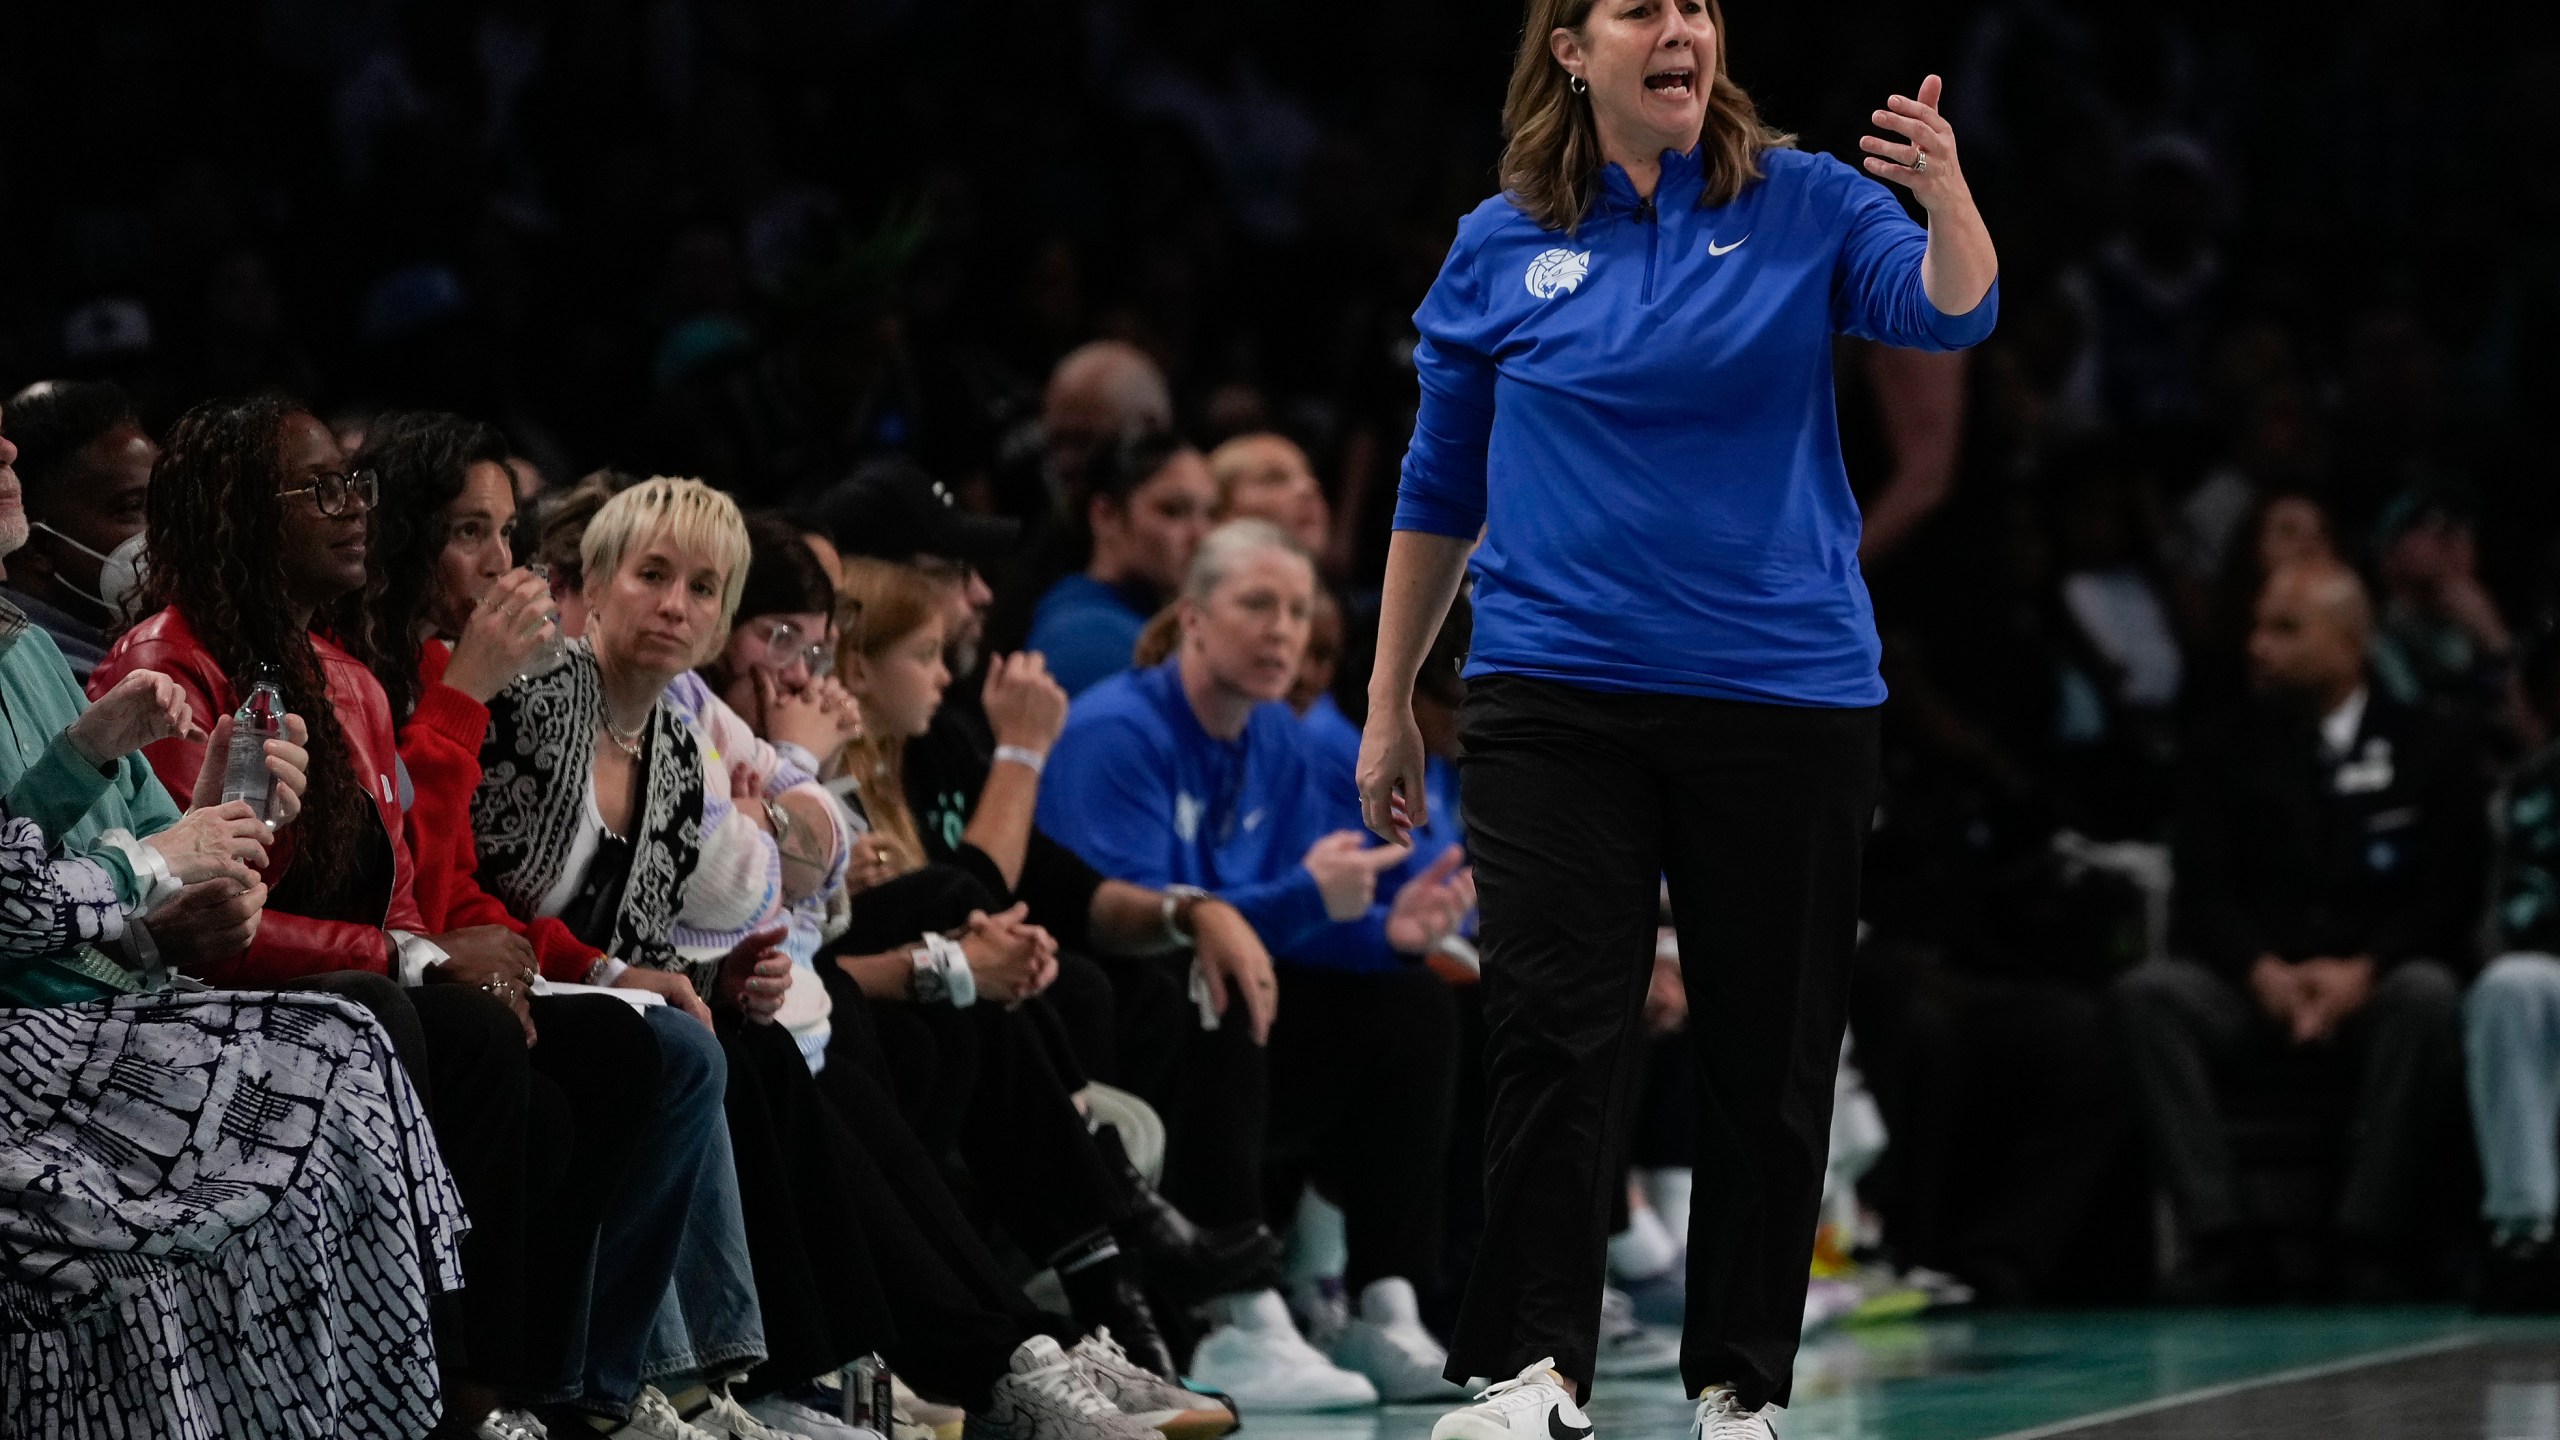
(2308, 642)
(1267, 477)
(1317, 667)
(96, 505)
(1251, 631)
(1098, 393)
(1619, 47)
(13, 510)
(2434, 549)
(964, 598)
(1151, 538)
(656, 613)
(901, 686)
(324, 554)
(479, 547)
(2293, 531)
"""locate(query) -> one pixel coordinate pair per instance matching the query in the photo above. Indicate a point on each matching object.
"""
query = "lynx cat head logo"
(1558, 272)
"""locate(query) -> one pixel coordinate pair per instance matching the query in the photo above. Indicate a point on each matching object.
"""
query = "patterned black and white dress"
(221, 1214)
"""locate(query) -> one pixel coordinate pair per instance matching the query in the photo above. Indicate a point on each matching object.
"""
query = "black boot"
(1184, 1261)
(1105, 1295)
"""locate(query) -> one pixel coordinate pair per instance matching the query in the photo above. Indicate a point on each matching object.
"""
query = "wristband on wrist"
(1023, 755)
(942, 973)
(1175, 897)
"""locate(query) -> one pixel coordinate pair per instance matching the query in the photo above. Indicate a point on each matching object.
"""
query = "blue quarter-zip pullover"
(1144, 794)
(1639, 417)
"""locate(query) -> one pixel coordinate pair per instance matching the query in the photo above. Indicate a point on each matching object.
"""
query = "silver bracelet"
(1029, 759)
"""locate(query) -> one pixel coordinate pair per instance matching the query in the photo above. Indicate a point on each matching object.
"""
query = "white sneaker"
(790, 1417)
(1047, 1397)
(913, 1417)
(1146, 1397)
(725, 1417)
(509, 1425)
(1721, 1417)
(1535, 1405)
(1257, 1357)
(1386, 1342)
(654, 1417)
(1627, 1347)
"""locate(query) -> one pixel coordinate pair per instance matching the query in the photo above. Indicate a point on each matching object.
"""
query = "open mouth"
(1672, 84)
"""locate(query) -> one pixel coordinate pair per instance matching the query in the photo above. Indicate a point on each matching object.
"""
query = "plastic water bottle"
(555, 649)
(259, 719)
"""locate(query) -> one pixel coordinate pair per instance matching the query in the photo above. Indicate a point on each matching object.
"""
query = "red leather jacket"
(288, 946)
(441, 746)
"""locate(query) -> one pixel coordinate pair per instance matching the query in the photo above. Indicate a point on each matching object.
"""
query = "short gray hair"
(1226, 548)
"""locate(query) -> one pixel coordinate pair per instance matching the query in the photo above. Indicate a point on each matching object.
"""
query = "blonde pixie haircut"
(685, 514)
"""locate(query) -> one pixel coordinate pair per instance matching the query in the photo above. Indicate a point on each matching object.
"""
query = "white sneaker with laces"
(509, 1425)
(1627, 1347)
(1534, 1405)
(1146, 1397)
(790, 1417)
(1385, 1341)
(1258, 1358)
(725, 1417)
(1721, 1417)
(654, 1417)
(1047, 1396)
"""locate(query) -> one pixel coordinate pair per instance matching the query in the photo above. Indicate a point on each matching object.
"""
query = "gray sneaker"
(1048, 1396)
(1149, 1398)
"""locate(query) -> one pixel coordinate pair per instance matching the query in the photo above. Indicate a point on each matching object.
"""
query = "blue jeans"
(706, 1322)
(670, 1292)
(2511, 1042)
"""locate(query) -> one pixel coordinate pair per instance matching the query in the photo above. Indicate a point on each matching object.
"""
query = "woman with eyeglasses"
(260, 529)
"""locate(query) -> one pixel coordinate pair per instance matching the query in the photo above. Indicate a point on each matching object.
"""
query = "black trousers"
(994, 1084)
(2192, 1031)
(1578, 804)
(1363, 1077)
(1211, 1087)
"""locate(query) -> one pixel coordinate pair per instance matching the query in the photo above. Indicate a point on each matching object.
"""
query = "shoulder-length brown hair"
(1551, 159)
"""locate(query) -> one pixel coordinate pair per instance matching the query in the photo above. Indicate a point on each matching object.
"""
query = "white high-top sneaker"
(1534, 1405)
(1721, 1417)
(1386, 1342)
(1257, 1358)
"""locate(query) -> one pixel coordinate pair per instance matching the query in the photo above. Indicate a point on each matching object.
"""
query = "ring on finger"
(1919, 160)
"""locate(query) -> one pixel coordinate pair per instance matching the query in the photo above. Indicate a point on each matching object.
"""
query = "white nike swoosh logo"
(1715, 249)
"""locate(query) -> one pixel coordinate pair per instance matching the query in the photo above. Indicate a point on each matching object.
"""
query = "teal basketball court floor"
(2440, 1374)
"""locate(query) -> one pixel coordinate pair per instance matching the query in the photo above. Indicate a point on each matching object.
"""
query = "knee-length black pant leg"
(486, 1120)
(1363, 1075)
(1578, 803)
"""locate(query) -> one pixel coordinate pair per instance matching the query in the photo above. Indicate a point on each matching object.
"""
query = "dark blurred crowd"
(2263, 380)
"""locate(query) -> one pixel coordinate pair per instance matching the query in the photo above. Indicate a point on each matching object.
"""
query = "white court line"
(2215, 1392)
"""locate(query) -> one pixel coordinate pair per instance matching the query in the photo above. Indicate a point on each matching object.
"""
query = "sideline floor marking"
(2234, 1387)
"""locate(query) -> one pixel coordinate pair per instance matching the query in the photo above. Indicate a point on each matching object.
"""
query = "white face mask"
(120, 578)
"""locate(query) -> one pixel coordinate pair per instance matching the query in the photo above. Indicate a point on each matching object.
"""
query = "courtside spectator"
(1266, 476)
(2328, 853)
(2512, 1021)
(1148, 502)
(84, 466)
(1193, 776)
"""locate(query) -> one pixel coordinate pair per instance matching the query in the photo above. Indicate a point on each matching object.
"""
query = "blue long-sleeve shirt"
(1639, 417)
(1086, 630)
(1144, 794)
